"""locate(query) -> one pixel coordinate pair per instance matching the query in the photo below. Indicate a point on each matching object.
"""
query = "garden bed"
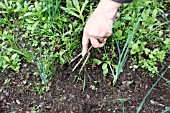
(37, 41)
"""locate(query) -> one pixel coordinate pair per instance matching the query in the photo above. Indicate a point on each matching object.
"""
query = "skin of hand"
(99, 25)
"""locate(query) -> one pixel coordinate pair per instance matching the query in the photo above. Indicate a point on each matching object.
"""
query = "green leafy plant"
(74, 8)
(105, 65)
(147, 49)
(10, 53)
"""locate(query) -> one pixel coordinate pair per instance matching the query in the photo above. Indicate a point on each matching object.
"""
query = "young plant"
(124, 53)
(74, 8)
(40, 66)
(11, 52)
(52, 7)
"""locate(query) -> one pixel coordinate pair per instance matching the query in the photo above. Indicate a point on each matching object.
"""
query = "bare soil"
(68, 92)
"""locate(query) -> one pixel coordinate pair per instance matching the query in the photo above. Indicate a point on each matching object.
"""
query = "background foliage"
(56, 26)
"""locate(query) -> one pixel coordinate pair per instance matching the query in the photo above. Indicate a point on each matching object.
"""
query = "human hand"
(99, 26)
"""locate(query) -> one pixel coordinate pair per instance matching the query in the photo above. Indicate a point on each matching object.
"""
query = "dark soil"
(64, 94)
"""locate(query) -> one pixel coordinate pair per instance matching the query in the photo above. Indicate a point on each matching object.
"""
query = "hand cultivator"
(88, 52)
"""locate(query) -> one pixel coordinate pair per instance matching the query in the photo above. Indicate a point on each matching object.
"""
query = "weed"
(38, 88)
(73, 8)
(9, 58)
(145, 57)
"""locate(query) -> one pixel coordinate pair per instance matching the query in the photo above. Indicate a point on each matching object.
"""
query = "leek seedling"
(40, 66)
(52, 7)
(143, 101)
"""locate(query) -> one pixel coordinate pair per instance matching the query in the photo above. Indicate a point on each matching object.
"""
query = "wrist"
(108, 8)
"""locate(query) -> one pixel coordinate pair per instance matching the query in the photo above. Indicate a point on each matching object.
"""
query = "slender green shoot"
(52, 7)
(40, 65)
(166, 110)
(165, 17)
(120, 100)
(143, 101)
(117, 44)
(124, 53)
(84, 82)
(123, 106)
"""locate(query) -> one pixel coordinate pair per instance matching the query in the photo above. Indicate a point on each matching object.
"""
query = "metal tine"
(77, 64)
(75, 58)
(88, 55)
(80, 60)
(78, 56)
(90, 48)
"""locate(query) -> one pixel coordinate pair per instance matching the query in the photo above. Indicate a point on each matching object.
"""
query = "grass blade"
(123, 105)
(43, 75)
(165, 17)
(84, 83)
(117, 44)
(70, 11)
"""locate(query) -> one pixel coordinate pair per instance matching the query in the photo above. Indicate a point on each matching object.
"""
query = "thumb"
(96, 44)
(85, 43)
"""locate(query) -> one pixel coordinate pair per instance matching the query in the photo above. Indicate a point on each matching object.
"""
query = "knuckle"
(95, 46)
(90, 33)
(93, 33)
(106, 33)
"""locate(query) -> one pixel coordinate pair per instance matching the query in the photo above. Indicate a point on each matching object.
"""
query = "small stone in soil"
(18, 102)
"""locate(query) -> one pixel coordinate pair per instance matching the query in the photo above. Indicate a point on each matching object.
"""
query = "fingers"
(96, 44)
(85, 43)
(102, 40)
